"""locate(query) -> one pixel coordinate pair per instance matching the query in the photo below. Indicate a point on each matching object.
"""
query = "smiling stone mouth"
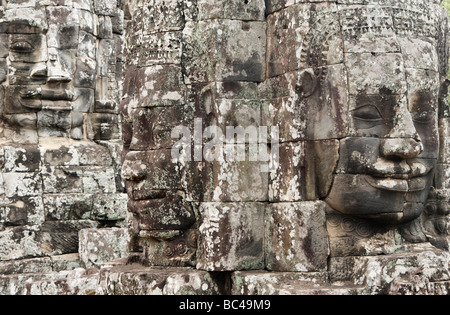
(44, 94)
(415, 184)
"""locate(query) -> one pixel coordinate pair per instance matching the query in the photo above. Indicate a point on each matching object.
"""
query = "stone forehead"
(386, 18)
(29, 16)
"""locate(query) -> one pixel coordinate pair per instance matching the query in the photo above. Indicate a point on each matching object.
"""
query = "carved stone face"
(57, 60)
(386, 166)
(59, 131)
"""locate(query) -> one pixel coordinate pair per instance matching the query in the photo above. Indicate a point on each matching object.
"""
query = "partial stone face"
(59, 132)
(388, 159)
(356, 92)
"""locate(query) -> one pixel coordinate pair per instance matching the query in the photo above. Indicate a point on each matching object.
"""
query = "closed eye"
(368, 113)
(424, 117)
(22, 46)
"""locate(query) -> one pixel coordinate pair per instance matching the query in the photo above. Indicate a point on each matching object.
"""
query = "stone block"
(206, 61)
(77, 282)
(374, 80)
(22, 211)
(22, 184)
(139, 280)
(87, 46)
(167, 16)
(36, 52)
(110, 207)
(435, 219)
(21, 158)
(169, 248)
(4, 49)
(105, 27)
(321, 160)
(252, 10)
(351, 236)
(296, 237)
(19, 72)
(324, 92)
(394, 274)
(21, 128)
(287, 182)
(54, 123)
(276, 5)
(99, 246)
(228, 176)
(3, 70)
(60, 152)
(105, 7)
(152, 127)
(159, 85)
(283, 107)
(62, 179)
(315, 26)
(248, 283)
(20, 242)
(151, 170)
(33, 265)
(61, 237)
(168, 210)
(99, 179)
(14, 104)
(85, 74)
(160, 49)
(24, 21)
(231, 236)
(106, 57)
(67, 206)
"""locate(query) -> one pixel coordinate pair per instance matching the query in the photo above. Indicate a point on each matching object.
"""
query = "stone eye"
(367, 112)
(424, 116)
(22, 46)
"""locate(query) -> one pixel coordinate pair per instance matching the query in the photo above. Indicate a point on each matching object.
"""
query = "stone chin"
(384, 201)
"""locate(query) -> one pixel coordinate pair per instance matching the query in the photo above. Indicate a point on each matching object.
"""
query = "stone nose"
(132, 170)
(404, 148)
(403, 140)
(56, 68)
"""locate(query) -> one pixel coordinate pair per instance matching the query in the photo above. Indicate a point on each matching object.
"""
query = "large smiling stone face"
(387, 163)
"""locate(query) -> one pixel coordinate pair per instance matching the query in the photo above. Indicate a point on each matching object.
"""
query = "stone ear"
(307, 82)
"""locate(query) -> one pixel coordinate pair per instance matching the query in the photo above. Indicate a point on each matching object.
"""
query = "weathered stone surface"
(231, 236)
(356, 237)
(77, 282)
(169, 248)
(53, 180)
(287, 283)
(354, 89)
(422, 270)
(139, 280)
(232, 61)
(99, 246)
(358, 172)
(296, 237)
